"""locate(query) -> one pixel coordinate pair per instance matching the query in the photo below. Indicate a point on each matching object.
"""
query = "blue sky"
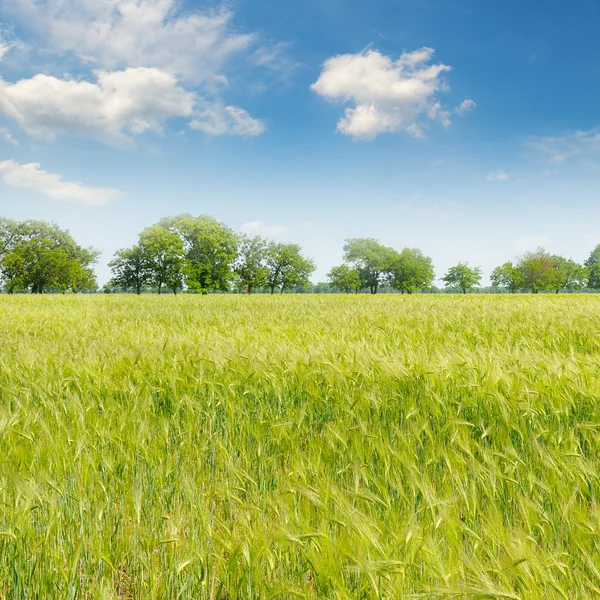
(469, 129)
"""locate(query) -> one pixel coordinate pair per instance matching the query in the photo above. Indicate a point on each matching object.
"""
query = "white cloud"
(465, 107)
(221, 120)
(117, 104)
(116, 34)
(497, 176)
(387, 95)
(581, 145)
(530, 243)
(31, 176)
(6, 135)
(147, 57)
(259, 228)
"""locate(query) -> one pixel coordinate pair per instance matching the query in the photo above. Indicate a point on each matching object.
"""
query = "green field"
(230, 447)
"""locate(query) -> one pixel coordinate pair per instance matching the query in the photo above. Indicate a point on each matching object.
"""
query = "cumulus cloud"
(116, 34)
(583, 145)
(31, 176)
(530, 243)
(117, 104)
(259, 228)
(465, 107)
(152, 61)
(386, 95)
(220, 120)
(497, 176)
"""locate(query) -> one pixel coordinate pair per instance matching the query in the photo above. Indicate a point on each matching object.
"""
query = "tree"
(210, 247)
(371, 259)
(40, 256)
(539, 270)
(345, 278)
(165, 255)
(287, 266)
(9, 233)
(507, 276)
(130, 268)
(593, 266)
(411, 271)
(250, 266)
(463, 277)
(568, 275)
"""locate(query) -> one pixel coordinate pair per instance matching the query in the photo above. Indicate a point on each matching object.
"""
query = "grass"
(229, 447)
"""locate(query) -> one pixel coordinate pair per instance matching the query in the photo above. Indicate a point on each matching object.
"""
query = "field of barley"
(230, 447)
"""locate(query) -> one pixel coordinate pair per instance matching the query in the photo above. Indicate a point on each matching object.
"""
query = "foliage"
(164, 254)
(372, 260)
(463, 277)
(210, 251)
(507, 276)
(9, 230)
(338, 447)
(539, 271)
(345, 279)
(287, 267)
(131, 269)
(593, 266)
(411, 271)
(569, 275)
(250, 266)
(39, 257)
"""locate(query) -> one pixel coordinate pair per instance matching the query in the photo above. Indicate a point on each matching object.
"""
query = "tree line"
(202, 255)
(369, 265)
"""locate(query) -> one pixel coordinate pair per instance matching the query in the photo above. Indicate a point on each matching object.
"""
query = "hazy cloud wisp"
(31, 176)
(498, 175)
(259, 228)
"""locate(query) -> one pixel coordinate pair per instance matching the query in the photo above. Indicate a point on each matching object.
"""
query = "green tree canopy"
(39, 257)
(568, 275)
(287, 267)
(593, 266)
(372, 260)
(250, 267)
(539, 270)
(507, 276)
(345, 278)
(463, 277)
(9, 232)
(131, 269)
(411, 271)
(165, 254)
(210, 250)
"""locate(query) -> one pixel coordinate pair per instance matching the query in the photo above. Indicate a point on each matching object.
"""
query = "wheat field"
(231, 447)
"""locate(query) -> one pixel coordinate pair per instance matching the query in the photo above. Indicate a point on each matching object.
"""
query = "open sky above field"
(467, 128)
